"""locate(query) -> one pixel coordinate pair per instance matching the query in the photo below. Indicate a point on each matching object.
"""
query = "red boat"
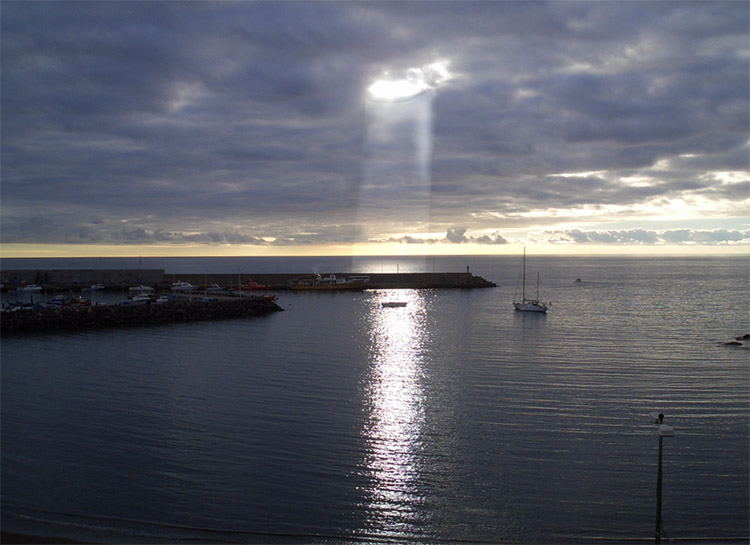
(254, 286)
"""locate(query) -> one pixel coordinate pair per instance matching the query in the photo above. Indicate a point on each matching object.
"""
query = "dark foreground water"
(453, 419)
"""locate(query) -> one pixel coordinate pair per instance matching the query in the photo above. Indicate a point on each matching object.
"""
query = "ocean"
(453, 419)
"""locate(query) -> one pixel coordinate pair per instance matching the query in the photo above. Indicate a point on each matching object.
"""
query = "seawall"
(374, 281)
(117, 279)
(41, 320)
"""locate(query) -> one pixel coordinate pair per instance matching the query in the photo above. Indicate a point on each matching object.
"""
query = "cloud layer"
(248, 123)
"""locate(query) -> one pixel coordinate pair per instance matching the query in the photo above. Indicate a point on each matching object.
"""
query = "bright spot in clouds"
(415, 82)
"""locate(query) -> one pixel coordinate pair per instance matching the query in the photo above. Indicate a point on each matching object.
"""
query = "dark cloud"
(246, 122)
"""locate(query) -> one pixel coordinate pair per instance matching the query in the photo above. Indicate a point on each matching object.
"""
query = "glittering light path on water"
(396, 417)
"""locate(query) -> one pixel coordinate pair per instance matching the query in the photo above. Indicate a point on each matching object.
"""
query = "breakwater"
(45, 319)
(463, 280)
(63, 279)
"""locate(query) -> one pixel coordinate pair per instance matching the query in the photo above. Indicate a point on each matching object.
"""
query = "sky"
(373, 128)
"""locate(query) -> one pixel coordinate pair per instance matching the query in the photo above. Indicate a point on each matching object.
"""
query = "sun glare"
(415, 82)
(396, 90)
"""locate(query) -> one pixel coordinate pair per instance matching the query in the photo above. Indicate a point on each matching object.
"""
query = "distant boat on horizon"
(525, 304)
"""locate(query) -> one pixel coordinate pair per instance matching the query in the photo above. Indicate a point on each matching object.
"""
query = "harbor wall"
(70, 278)
(117, 279)
(374, 280)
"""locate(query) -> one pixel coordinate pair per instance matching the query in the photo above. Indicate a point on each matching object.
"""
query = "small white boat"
(393, 304)
(215, 288)
(529, 305)
(182, 287)
(330, 282)
(30, 288)
(94, 287)
(141, 289)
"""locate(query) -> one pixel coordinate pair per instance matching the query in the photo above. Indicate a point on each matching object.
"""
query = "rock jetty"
(102, 316)
(115, 280)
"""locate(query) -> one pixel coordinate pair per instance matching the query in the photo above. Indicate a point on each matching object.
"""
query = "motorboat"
(139, 299)
(182, 287)
(330, 282)
(254, 286)
(140, 289)
(30, 288)
(94, 287)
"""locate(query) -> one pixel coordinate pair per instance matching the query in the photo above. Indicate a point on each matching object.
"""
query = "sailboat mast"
(524, 274)
(537, 286)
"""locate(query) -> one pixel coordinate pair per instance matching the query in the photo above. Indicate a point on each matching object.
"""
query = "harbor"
(38, 301)
(117, 279)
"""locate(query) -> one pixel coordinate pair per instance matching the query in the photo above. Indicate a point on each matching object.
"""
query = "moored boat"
(140, 289)
(138, 299)
(254, 286)
(94, 287)
(182, 287)
(330, 282)
(526, 304)
(30, 288)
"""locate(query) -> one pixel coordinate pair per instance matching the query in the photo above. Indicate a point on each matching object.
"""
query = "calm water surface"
(453, 419)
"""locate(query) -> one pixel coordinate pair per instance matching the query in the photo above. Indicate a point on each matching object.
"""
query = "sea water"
(451, 419)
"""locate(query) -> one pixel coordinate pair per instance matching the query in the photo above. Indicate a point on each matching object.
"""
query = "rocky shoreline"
(41, 320)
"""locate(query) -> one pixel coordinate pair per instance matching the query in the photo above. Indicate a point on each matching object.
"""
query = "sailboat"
(530, 305)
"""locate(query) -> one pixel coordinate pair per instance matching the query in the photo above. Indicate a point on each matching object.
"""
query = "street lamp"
(662, 431)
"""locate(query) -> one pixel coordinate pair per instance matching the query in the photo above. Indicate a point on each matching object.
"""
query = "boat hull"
(530, 306)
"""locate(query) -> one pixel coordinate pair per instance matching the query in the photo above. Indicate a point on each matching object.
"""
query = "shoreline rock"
(105, 316)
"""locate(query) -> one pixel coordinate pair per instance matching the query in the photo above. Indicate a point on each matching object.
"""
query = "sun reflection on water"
(396, 413)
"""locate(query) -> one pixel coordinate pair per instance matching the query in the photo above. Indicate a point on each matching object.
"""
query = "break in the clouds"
(249, 123)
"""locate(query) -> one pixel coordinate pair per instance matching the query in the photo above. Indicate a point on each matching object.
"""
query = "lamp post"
(662, 431)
